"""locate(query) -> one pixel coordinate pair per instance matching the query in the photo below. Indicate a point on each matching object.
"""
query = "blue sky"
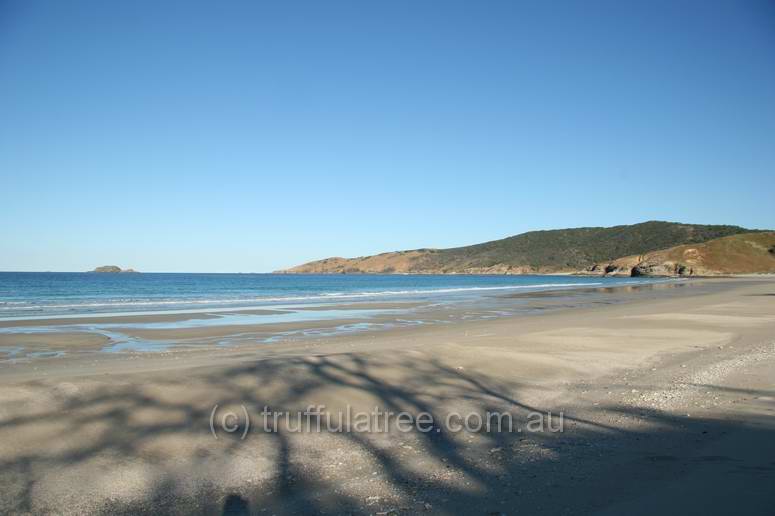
(249, 136)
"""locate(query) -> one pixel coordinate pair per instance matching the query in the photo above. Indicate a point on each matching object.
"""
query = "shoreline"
(183, 305)
(331, 303)
(317, 301)
(246, 327)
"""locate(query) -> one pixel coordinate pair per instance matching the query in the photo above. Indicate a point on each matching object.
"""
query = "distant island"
(653, 248)
(112, 269)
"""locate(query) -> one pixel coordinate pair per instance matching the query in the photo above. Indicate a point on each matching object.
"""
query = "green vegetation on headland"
(623, 250)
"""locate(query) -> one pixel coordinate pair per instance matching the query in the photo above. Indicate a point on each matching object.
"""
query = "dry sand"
(667, 400)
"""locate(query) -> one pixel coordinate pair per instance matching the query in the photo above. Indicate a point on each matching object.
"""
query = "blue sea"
(33, 295)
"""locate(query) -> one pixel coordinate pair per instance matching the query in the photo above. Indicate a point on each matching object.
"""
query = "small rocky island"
(112, 268)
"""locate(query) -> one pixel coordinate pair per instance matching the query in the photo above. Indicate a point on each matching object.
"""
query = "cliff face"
(749, 253)
(536, 252)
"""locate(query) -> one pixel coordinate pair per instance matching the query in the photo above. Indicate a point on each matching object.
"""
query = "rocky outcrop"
(112, 269)
(749, 253)
(661, 269)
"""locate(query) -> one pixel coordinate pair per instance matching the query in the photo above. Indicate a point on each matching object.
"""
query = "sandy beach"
(636, 401)
(387, 258)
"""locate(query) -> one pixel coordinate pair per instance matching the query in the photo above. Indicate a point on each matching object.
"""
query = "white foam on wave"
(125, 307)
(325, 295)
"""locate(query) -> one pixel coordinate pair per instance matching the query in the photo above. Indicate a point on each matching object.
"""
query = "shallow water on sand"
(40, 311)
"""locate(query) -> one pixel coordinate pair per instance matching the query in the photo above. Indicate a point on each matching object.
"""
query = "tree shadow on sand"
(127, 448)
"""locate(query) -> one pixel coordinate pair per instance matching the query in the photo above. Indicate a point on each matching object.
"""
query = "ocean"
(34, 295)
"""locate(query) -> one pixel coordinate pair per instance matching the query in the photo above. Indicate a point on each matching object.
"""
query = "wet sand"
(667, 398)
(64, 341)
(119, 319)
(200, 330)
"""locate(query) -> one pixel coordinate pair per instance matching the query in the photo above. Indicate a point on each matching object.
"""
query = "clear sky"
(249, 136)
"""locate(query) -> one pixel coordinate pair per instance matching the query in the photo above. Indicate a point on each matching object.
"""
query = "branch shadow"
(129, 447)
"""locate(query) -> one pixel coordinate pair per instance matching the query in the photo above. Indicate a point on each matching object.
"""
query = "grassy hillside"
(562, 250)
